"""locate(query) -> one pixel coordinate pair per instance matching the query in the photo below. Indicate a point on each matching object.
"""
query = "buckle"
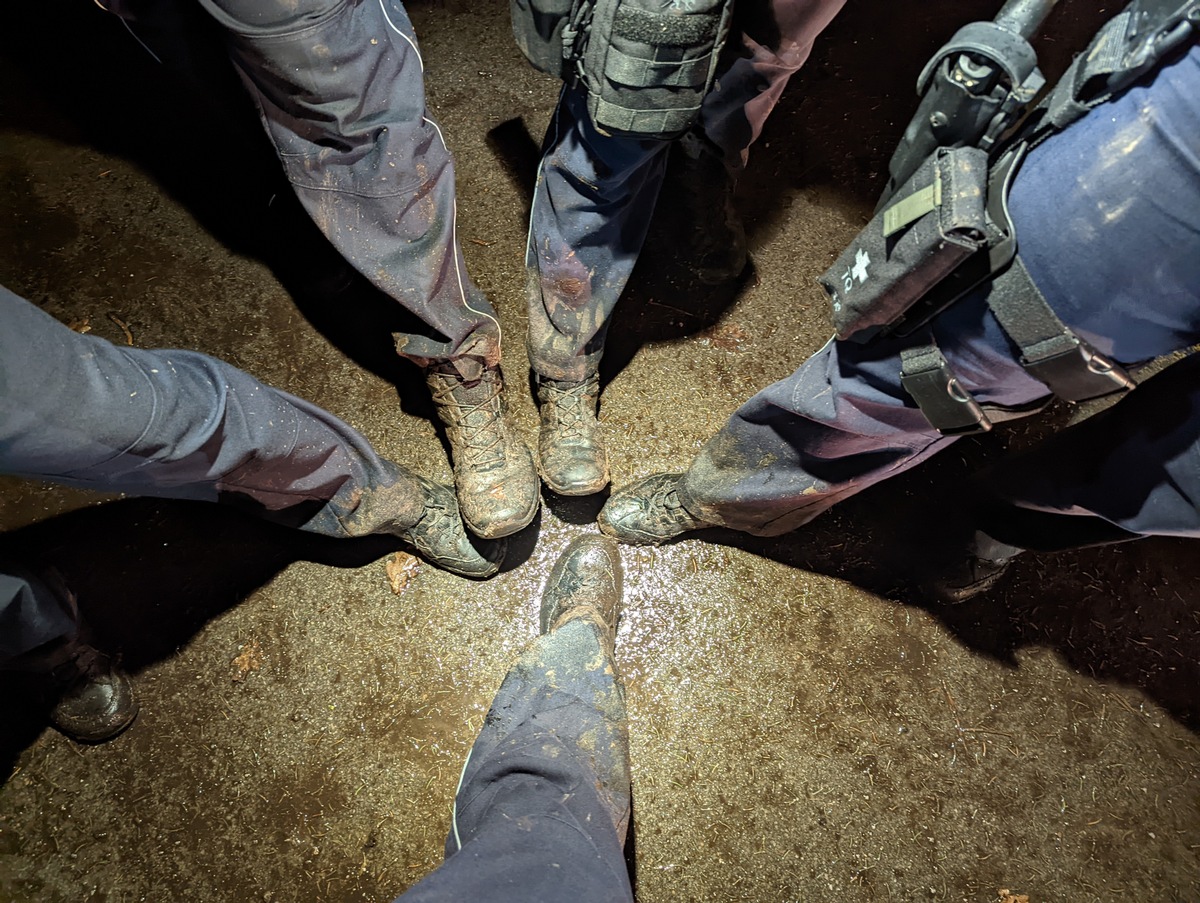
(949, 408)
(1078, 371)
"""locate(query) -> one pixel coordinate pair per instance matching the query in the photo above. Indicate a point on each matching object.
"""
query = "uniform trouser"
(595, 194)
(1107, 215)
(1130, 471)
(339, 87)
(78, 410)
(534, 812)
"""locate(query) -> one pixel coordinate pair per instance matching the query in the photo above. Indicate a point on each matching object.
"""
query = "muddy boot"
(571, 455)
(702, 185)
(91, 699)
(439, 536)
(648, 511)
(425, 515)
(978, 570)
(548, 775)
(586, 581)
(498, 491)
(581, 605)
(94, 696)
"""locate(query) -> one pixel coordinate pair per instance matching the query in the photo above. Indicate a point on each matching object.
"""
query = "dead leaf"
(401, 568)
(250, 658)
(726, 336)
(1006, 896)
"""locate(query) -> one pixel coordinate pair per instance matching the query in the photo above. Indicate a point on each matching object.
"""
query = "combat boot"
(425, 515)
(572, 459)
(648, 512)
(699, 180)
(498, 490)
(94, 698)
(970, 577)
(976, 570)
(91, 699)
(587, 580)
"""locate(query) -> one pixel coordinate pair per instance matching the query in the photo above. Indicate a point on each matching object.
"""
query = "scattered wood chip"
(1006, 896)
(401, 568)
(81, 326)
(249, 658)
(124, 328)
(726, 336)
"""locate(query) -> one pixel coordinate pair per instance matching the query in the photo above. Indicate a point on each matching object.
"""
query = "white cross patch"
(861, 262)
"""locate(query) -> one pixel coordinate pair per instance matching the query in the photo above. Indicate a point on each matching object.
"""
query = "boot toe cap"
(574, 471)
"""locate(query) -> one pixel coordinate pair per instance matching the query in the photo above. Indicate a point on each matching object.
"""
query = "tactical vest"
(646, 65)
(946, 229)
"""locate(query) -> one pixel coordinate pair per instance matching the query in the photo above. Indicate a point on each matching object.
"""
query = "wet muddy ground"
(804, 725)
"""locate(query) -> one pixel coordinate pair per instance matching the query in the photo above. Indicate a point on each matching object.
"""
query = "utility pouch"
(931, 225)
(538, 28)
(647, 64)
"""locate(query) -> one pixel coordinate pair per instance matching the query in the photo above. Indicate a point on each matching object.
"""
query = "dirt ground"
(804, 725)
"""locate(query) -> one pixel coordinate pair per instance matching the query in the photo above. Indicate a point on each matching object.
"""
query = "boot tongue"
(469, 369)
(474, 392)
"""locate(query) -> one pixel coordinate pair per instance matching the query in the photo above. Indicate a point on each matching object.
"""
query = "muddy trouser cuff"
(803, 444)
(533, 816)
(341, 94)
(78, 410)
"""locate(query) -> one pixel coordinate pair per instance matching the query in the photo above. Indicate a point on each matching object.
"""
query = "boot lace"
(570, 404)
(664, 506)
(478, 424)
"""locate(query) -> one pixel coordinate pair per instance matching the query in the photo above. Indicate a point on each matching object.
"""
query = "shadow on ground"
(1110, 611)
(150, 573)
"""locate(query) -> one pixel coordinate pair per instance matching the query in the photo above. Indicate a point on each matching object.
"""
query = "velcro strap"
(647, 122)
(657, 29)
(913, 207)
(1070, 98)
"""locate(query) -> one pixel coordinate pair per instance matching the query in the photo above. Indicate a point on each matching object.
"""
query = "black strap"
(1009, 51)
(1050, 352)
(1127, 47)
(928, 379)
(949, 408)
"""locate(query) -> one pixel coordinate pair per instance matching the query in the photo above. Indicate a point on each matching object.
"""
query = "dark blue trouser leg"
(31, 614)
(340, 89)
(591, 208)
(534, 812)
(78, 410)
(1132, 470)
(595, 193)
(1108, 218)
